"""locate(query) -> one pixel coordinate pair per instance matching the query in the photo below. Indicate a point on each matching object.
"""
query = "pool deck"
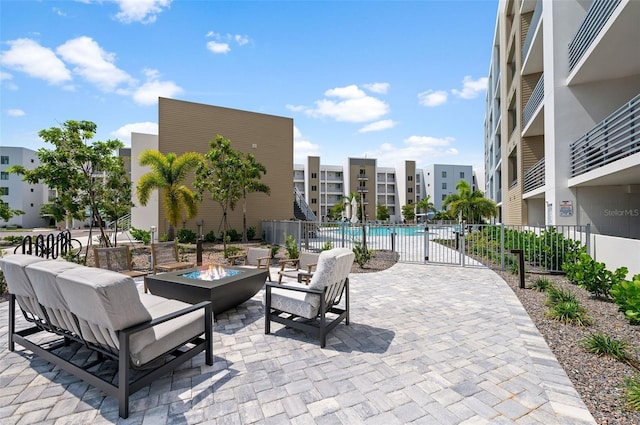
(426, 345)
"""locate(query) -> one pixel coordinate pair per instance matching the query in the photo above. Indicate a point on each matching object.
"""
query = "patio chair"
(164, 256)
(255, 258)
(316, 308)
(300, 268)
(117, 259)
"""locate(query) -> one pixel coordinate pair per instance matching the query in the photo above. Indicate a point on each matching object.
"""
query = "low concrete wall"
(617, 252)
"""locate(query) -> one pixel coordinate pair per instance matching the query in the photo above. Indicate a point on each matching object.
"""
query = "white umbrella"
(354, 210)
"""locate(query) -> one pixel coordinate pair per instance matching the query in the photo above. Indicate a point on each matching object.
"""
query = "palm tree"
(249, 179)
(167, 175)
(469, 205)
(425, 204)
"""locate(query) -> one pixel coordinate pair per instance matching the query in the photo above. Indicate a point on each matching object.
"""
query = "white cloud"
(148, 93)
(93, 63)
(381, 88)
(471, 88)
(423, 149)
(355, 106)
(295, 108)
(216, 47)
(124, 133)
(221, 43)
(143, 11)
(432, 98)
(5, 79)
(16, 113)
(26, 55)
(377, 126)
(303, 148)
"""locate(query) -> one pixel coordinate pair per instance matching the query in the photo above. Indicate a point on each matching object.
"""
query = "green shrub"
(542, 284)
(141, 235)
(13, 240)
(327, 246)
(363, 255)
(231, 250)
(632, 392)
(186, 236)
(232, 235)
(557, 295)
(593, 275)
(291, 245)
(569, 312)
(210, 237)
(251, 233)
(274, 250)
(603, 345)
(626, 295)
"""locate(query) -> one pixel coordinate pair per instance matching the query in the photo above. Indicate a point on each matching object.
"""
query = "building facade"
(324, 186)
(562, 131)
(189, 127)
(20, 195)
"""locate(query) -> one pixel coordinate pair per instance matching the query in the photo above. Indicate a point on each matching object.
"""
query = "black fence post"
(520, 254)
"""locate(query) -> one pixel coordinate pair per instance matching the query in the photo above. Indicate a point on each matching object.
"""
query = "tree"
(6, 213)
(219, 175)
(167, 175)
(335, 213)
(408, 213)
(249, 174)
(425, 204)
(76, 169)
(116, 201)
(468, 205)
(382, 212)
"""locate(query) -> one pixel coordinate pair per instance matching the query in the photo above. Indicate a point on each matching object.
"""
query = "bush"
(186, 236)
(632, 392)
(327, 246)
(542, 284)
(274, 250)
(362, 255)
(558, 295)
(291, 245)
(141, 235)
(251, 233)
(593, 275)
(626, 295)
(210, 237)
(13, 240)
(231, 250)
(603, 345)
(232, 235)
(569, 312)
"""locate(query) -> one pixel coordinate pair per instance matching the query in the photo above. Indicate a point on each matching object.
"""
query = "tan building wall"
(188, 127)
(362, 180)
(313, 184)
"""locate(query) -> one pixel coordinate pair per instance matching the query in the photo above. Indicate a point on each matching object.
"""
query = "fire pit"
(226, 287)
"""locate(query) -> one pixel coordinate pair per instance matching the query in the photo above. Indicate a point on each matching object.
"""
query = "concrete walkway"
(426, 345)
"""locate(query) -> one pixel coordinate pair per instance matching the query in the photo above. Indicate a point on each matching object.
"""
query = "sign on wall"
(566, 208)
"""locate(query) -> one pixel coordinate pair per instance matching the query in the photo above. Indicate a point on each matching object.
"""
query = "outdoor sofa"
(146, 336)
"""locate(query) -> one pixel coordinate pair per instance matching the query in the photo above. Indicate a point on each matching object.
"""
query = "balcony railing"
(597, 16)
(616, 137)
(534, 176)
(537, 13)
(537, 96)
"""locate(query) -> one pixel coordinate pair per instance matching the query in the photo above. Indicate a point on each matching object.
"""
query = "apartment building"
(562, 142)
(188, 127)
(20, 195)
(323, 186)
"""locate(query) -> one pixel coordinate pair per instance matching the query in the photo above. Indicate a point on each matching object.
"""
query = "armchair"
(255, 258)
(316, 308)
(306, 263)
(165, 258)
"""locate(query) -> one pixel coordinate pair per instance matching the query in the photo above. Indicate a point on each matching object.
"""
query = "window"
(31, 190)
(31, 205)
(410, 190)
(314, 188)
(314, 175)
(4, 175)
(4, 159)
(409, 201)
(444, 174)
(444, 195)
(444, 186)
(314, 201)
(4, 190)
(461, 174)
(410, 178)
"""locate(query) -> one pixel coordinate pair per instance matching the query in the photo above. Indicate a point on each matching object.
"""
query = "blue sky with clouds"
(391, 80)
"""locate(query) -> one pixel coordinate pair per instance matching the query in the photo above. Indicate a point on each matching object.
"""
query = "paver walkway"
(426, 345)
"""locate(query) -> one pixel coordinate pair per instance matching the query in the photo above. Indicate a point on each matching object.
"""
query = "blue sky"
(392, 80)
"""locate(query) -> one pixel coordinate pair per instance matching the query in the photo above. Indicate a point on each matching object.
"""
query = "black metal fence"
(544, 247)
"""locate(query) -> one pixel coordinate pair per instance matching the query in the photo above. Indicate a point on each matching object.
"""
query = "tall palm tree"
(249, 175)
(469, 205)
(167, 175)
(425, 204)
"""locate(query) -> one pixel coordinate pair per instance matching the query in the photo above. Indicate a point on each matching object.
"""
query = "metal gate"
(453, 244)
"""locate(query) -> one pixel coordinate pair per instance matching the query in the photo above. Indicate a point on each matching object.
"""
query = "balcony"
(532, 59)
(603, 46)
(614, 140)
(534, 177)
(532, 114)
(362, 177)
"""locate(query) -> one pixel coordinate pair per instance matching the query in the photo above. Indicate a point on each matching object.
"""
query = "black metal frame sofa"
(145, 335)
